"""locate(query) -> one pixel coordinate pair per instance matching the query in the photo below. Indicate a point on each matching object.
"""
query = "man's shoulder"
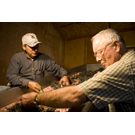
(128, 56)
(42, 55)
(18, 54)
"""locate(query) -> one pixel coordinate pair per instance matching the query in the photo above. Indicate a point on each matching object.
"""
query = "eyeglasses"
(100, 52)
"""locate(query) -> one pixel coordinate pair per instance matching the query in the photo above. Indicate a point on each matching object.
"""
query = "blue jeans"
(2, 88)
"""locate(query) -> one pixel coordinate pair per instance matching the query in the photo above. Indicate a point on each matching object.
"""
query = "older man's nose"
(98, 59)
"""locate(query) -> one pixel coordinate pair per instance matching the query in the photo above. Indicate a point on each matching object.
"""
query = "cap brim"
(34, 44)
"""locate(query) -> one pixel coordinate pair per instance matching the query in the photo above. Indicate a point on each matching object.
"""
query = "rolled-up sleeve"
(53, 68)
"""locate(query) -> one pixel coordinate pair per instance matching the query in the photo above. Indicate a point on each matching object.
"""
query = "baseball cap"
(30, 39)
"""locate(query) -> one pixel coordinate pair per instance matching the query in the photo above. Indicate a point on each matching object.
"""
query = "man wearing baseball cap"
(28, 66)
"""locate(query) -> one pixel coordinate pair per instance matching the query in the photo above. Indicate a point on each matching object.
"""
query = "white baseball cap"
(30, 39)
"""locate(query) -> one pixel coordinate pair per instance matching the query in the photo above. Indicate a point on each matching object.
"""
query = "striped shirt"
(114, 85)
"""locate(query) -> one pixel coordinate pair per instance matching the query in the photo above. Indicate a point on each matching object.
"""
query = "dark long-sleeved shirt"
(22, 69)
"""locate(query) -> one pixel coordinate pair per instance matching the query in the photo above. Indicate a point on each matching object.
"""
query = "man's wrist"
(36, 100)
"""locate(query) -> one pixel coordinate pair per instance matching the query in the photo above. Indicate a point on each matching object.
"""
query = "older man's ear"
(116, 45)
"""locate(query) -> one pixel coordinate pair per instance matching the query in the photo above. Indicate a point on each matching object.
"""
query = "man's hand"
(34, 86)
(97, 74)
(28, 99)
(49, 88)
(64, 80)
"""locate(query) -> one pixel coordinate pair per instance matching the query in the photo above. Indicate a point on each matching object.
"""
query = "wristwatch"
(35, 100)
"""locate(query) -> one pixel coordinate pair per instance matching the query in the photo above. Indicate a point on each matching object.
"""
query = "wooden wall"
(69, 53)
(79, 51)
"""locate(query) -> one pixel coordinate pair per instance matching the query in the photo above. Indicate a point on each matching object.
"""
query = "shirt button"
(32, 68)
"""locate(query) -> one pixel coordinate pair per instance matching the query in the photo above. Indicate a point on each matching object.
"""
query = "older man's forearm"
(65, 97)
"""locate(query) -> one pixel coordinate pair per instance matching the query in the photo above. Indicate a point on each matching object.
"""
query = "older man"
(113, 85)
(28, 66)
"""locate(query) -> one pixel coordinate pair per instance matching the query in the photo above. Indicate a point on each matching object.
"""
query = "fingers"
(37, 87)
(49, 88)
(28, 99)
(67, 83)
(63, 83)
(64, 80)
(35, 90)
(34, 86)
(97, 74)
(60, 82)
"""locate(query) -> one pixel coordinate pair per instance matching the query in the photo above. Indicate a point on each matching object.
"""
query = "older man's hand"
(97, 74)
(64, 80)
(28, 99)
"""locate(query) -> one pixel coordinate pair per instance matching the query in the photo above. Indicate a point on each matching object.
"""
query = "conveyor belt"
(11, 95)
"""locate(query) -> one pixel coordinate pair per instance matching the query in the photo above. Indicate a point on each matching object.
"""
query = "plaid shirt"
(114, 85)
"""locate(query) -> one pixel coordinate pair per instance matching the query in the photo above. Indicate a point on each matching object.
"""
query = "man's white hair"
(108, 36)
